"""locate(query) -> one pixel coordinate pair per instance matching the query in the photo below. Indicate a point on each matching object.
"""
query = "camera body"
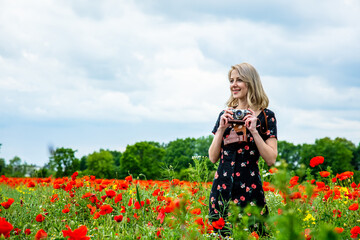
(239, 115)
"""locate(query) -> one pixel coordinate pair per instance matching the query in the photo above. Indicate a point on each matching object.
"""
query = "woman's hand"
(251, 121)
(224, 119)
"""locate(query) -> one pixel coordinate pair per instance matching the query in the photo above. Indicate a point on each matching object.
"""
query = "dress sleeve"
(272, 129)
(217, 124)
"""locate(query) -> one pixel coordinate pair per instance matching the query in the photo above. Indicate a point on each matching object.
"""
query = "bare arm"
(215, 147)
(267, 149)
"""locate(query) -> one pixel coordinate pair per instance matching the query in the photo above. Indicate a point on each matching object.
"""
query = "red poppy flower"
(105, 209)
(74, 175)
(31, 184)
(320, 184)
(344, 175)
(161, 215)
(316, 161)
(96, 215)
(354, 207)
(54, 198)
(136, 216)
(255, 235)
(8, 203)
(200, 221)
(219, 224)
(138, 205)
(40, 218)
(273, 170)
(5, 227)
(129, 178)
(110, 193)
(294, 181)
(338, 230)
(336, 213)
(324, 173)
(355, 231)
(123, 210)
(27, 231)
(118, 218)
(295, 195)
(196, 211)
(77, 234)
(17, 231)
(118, 198)
(66, 210)
(41, 234)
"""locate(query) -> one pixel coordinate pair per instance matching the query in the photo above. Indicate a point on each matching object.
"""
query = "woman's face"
(238, 88)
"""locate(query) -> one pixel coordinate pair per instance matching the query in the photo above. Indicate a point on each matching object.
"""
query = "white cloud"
(117, 61)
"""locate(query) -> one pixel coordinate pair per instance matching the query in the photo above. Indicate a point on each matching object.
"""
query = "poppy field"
(303, 206)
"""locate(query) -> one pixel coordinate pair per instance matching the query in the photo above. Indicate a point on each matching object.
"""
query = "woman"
(237, 178)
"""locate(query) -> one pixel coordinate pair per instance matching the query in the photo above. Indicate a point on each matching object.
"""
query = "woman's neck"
(243, 104)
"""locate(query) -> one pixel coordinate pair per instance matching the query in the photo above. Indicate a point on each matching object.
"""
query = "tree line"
(154, 160)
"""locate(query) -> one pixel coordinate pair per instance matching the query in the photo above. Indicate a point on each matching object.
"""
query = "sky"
(106, 74)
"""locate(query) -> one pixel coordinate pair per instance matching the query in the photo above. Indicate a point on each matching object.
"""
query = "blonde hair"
(256, 96)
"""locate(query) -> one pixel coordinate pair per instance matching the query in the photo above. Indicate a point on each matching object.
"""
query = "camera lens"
(238, 114)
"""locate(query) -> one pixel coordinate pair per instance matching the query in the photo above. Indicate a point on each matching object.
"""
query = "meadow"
(303, 206)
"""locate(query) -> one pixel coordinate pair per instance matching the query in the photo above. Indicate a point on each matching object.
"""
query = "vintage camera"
(239, 115)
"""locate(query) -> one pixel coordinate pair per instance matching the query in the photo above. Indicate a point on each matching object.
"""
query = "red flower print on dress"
(253, 186)
(246, 147)
(242, 198)
(238, 174)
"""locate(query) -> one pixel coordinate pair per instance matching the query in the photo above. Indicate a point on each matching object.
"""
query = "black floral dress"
(237, 178)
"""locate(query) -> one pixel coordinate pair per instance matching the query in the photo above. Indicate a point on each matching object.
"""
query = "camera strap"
(266, 123)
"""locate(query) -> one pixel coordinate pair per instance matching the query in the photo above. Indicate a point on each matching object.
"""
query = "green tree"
(65, 161)
(15, 168)
(179, 153)
(356, 159)
(142, 158)
(290, 153)
(83, 163)
(202, 145)
(338, 154)
(117, 156)
(2, 166)
(101, 164)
